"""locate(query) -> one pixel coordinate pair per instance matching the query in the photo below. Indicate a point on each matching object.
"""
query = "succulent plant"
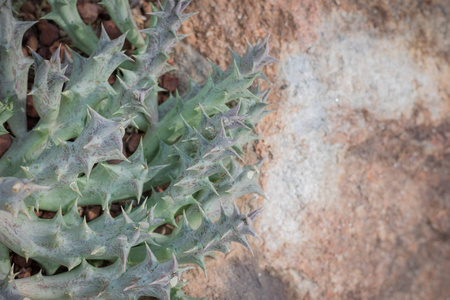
(191, 148)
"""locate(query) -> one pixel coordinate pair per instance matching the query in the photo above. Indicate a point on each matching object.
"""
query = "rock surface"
(358, 166)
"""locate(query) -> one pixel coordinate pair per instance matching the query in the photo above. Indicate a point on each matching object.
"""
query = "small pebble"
(88, 12)
(170, 83)
(112, 29)
(44, 52)
(21, 261)
(31, 110)
(133, 142)
(32, 42)
(48, 32)
(24, 273)
(92, 211)
(5, 143)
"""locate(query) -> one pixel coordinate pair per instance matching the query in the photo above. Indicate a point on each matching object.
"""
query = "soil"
(356, 151)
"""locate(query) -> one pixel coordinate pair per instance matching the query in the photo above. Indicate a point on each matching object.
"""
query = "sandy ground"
(357, 170)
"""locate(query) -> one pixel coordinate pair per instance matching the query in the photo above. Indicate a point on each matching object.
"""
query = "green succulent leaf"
(186, 172)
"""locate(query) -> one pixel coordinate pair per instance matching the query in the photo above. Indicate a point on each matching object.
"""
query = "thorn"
(221, 164)
(138, 187)
(126, 217)
(86, 231)
(255, 213)
(58, 218)
(185, 220)
(11, 274)
(104, 37)
(55, 58)
(210, 186)
(73, 264)
(100, 250)
(223, 215)
(74, 187)
(150, 256)
(130, 287)
(103, 289)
